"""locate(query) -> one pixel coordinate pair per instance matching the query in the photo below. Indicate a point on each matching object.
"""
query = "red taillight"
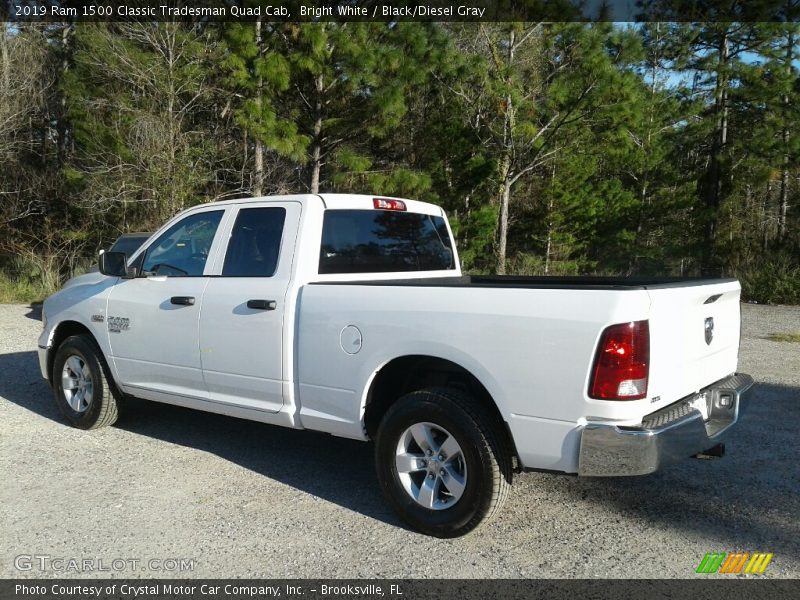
(388, 204)
(622, 364)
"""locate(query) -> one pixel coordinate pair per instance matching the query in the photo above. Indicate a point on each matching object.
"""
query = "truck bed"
(530, 341)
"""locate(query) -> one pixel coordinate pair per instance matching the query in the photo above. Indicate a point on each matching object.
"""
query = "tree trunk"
(765, 202)
(173, 134)
(258, 167)
(61, 125)
(5, 58)
(316, 148)
(550, 203)
(784, 201)
(505, 170)
(713, 187)
(646, 145)
(463, 231)
(549, 248)
(502, 241)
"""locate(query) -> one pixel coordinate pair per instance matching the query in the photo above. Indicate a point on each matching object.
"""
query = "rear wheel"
(441, 461)
(81, 384)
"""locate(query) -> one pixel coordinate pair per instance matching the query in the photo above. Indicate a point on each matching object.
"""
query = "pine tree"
(258, 72)
(717, 58)
(349, 93)
(656, 170)
(781, 95)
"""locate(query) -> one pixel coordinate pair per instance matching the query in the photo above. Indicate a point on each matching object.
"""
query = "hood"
(85, 279)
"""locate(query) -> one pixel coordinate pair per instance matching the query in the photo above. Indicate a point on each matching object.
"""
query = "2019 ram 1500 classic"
(348, 314)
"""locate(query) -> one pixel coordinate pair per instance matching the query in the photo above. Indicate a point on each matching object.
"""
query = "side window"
(182, 250)
(255, 243)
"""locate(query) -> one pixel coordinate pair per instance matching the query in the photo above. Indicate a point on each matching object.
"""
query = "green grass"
(15, 291)
(784, 337)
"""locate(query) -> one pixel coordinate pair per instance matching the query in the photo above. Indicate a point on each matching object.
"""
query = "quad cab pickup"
(348, 314)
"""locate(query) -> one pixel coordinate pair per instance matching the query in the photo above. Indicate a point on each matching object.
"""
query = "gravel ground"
(248, 500)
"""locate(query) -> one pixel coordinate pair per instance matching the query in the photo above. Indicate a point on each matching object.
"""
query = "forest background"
(555, 148)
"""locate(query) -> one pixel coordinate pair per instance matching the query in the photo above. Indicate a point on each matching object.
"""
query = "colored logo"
(735, 562)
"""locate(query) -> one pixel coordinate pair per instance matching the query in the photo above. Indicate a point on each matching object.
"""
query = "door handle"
(182, 300)
(262, 304)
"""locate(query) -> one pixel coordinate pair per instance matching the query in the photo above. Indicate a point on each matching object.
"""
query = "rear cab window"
(383, 241)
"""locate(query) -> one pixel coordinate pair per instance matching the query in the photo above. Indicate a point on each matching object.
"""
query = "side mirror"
(114, 264)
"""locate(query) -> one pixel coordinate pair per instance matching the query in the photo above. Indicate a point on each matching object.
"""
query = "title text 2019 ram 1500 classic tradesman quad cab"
(348, 314)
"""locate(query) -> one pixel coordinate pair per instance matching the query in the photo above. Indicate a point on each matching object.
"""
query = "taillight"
(388, 204)
(622, 363)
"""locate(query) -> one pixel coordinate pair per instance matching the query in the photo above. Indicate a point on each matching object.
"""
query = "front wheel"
(81, 384)
(441, 461)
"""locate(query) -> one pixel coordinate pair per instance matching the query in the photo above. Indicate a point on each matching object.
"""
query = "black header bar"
(700, 588)
(401, 10)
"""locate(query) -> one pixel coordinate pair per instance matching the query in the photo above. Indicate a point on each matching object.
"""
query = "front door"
(153, 319)
(243, 318)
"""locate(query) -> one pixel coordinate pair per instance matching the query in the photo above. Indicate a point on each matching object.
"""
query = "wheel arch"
(405, 374)
(60, 333)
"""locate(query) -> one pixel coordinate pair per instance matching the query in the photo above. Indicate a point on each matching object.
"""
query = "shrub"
(776, 281)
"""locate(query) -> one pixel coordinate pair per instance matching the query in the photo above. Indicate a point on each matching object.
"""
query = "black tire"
(483, 447)
(103, 407)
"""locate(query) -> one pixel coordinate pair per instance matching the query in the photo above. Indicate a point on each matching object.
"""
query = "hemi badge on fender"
(98, 318)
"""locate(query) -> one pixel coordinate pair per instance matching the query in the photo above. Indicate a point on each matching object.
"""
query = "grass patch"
(784, 337)
(18, 291)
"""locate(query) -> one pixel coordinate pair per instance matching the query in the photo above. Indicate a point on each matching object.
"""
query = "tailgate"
(694, 337)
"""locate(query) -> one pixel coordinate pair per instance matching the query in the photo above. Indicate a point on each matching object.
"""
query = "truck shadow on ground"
(747, 501)
(751, 497)
(335, 469)
(35, 311)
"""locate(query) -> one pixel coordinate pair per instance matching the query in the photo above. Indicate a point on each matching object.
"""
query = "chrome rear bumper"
(666, 436)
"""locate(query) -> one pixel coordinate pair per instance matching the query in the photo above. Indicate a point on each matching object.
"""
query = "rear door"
(694, 336)
(242, 325)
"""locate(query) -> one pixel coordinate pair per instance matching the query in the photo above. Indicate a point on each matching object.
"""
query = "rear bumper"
(669, 435)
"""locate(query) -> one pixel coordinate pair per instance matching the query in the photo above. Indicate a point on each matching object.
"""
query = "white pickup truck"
(348, 314)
